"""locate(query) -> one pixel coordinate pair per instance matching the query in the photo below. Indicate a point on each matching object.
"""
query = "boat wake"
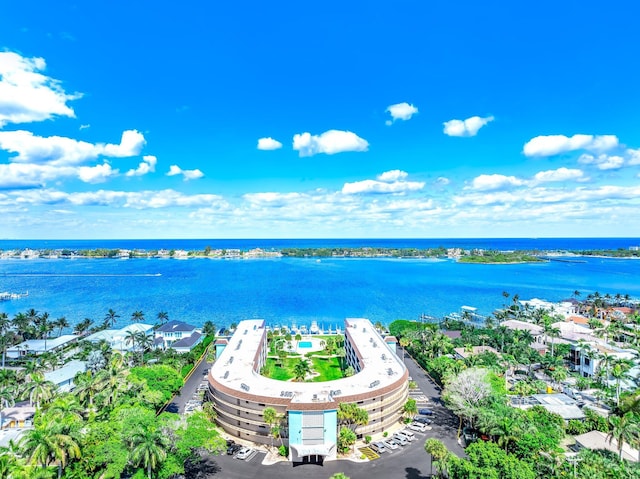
(77, 275)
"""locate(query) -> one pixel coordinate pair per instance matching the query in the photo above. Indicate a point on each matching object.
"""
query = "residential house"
(39, 346)
(174, 332)
(63, 377)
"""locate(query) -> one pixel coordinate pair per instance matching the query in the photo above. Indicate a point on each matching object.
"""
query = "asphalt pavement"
(190, 387)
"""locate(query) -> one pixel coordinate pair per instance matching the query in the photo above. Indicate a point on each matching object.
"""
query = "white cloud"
(271, 198)
(561, 174)
(634, 157)
(147, 165)
(187, 174)
(131, 144)
(393, 175)
(59, 150)
(602, 162)
(329, 142)
(26, 95)
(400, 111)
(495, 182)
(268, 144)
(85, 126)
(443, 181)
(555, 144)
(468, 127)
(96, 174)
(387, 182)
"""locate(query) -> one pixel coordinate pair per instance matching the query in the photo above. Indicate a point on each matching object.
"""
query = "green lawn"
(329, 369)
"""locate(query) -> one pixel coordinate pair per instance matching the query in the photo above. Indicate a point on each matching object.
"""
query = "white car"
(244, 453)
(416, 426)
(399, 438)
(391, 444)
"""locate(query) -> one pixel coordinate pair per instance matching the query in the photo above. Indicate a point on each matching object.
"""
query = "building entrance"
(313, 459)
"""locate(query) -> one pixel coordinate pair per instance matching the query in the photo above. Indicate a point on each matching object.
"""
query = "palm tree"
(137, 317)
(209, 329)
(65, 410)
(144, 342)
(111, 318)
(439, 453)
(623, 429)
(46, 444)
(301, 369)
(83, 326)
(148, 448)
(38, 390)
(4, 329)
(270, 415)
(21, 323)
(620, 370)
(410, 408)
(132, 338)
(163, 317)
(61, 323)
(7, 399)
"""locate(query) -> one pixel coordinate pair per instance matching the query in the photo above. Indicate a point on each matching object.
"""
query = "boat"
(6, 296)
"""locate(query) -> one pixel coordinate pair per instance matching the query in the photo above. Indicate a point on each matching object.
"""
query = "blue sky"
(333, 119)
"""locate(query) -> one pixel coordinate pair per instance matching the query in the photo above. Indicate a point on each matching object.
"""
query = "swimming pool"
(305, 344)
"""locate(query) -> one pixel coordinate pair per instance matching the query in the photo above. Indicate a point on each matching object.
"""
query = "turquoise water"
(305, 344)
(283, 291)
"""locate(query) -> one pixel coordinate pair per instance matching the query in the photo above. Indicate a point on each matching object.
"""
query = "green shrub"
(385, 434)
(283, 451)
(367, 439)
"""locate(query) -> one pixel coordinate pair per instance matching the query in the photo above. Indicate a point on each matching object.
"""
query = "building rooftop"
(66, 372)
(518, 325)
(464, 354)
(38, 345)
(175, 326)
(187, 342)
(234, 369)
(598, 440)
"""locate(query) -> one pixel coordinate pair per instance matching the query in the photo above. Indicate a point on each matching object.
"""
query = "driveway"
(409, 462)
(189, 389)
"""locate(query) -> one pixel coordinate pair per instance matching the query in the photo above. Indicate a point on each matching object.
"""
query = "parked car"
(400, 439)
(408, 434)
(244, 453)
(233, 448)
(425, 412)
(378, 447)
(422, 419)
(418, 426)
(391, 444)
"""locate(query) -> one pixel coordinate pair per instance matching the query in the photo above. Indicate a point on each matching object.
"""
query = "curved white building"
(240, 394)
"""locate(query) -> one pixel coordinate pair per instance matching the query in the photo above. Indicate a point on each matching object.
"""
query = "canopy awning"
(324, 449)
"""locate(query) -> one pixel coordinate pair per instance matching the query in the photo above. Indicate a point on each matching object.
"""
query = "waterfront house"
(39, 346)
(517, 325)
(174, 332)
(120, 339)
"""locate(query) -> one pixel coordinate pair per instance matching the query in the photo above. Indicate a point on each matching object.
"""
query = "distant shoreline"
(466, 256)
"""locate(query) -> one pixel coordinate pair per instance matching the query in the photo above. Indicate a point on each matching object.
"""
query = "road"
(188, 390)
(409, 462)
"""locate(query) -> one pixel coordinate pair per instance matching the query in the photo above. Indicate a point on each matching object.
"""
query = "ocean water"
(287, 290)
